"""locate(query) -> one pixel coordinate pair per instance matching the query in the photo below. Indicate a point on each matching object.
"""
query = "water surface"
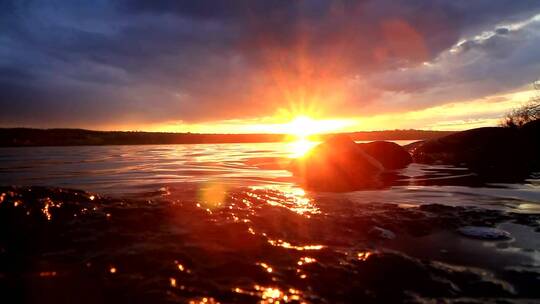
(227, 223)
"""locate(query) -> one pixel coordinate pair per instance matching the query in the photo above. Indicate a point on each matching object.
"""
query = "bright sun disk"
(303, 126)
(300, 147)
(304, 130)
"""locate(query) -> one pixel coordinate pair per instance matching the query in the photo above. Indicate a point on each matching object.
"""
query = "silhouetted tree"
(526, 113)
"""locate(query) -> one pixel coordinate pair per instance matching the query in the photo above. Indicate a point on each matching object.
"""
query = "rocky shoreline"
(68, 242)
(340, 164)
(494, 150)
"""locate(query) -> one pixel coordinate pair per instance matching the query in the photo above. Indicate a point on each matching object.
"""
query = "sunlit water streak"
(132, 170)
(228, 223)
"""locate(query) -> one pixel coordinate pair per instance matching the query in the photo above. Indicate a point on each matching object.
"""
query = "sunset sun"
(304, 131)
(303, 126)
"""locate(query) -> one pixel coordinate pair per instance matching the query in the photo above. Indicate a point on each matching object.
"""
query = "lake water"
(227, 223)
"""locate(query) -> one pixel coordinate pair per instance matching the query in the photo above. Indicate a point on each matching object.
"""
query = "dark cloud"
(83, 63)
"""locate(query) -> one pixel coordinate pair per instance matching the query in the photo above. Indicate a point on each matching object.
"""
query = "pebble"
(484, 233)
(381, 233)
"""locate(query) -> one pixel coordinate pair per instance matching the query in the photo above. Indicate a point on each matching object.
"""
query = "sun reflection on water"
(288, 245)
(292, 198)
(273, 295)
(266, 267)
(364, 255)
(47, 205)
(300, 147)
(47, 274)
(203, 300)
(306, 260)
(181, 267)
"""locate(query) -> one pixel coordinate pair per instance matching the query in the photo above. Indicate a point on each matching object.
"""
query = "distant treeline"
(77, 137)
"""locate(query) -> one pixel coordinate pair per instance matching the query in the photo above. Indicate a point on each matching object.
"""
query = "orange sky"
(266, 67)
(450, 116)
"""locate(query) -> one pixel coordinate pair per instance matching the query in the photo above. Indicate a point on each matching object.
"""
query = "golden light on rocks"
(273, 294)
(292, 198)
(203, 300)
(288, 245)
(265, 266)
(180, 267)
(306, 260)
(364, 255)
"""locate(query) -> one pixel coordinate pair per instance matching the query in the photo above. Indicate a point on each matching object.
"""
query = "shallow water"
(227, 223)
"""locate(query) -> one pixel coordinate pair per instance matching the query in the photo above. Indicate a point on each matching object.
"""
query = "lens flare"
(303, 126)
(304, 132)
(212, 195)
(300, 147)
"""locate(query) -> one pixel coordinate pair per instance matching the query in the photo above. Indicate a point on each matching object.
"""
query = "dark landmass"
(497, 153)
(16, 137)
(396, 135)
(488, 150)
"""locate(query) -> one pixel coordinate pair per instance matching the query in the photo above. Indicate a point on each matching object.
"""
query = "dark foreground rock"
(340, 164)
(337, 164)
(492, 150)
(65, 246)
(391, 155)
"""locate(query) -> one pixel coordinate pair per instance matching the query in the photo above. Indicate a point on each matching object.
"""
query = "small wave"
(252, 244)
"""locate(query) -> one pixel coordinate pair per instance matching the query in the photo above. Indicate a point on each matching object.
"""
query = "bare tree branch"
(526, 113)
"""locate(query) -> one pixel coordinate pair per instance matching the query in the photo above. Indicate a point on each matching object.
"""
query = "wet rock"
(391, 155)
(338, 164)
(412, 146)
(381, 233)
(146, 243)
(484, 233)
(474, 281)
(43, 205)
(439, 208)
(491, 150)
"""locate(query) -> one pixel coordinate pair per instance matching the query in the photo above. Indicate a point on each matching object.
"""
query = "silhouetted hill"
(10, 137)
(398, 135)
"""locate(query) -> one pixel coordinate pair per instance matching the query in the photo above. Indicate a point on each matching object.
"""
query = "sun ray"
(304, 130)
